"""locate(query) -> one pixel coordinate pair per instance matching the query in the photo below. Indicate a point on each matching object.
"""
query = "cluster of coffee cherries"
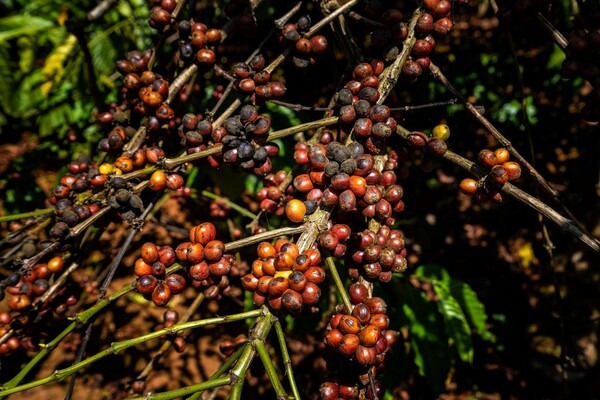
(208, 267)
(432, 24)
(346, 177)
(370, 122)
(31, 310)
(151, 270)
(358, 342)
(251, 78)
(283, 278)
(434, 145)
(196, 39)
(271, 196)
(583, 59)
(82, 175)
(25, 288)
(121, 199)
(306, 50)
(244, 142)
(379, 254)
(501, 171)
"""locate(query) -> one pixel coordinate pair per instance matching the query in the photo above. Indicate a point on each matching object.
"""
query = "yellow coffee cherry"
(441, 131)
(105, 168)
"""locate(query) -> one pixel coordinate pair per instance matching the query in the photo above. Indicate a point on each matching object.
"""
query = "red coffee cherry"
(161, 295)
(199, 271)
(213, 251)
(250, 282)
(348, 344)
(311, 294)
(376, 305)
(362, 313)
(176, 283)
(349, 325)
(292, 301)
(146, 284)
(358, 293)
(203, 233)
(319, 43)
(149, 252)
(365, 355)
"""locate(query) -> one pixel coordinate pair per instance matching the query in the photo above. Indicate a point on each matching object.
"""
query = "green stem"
(80, 318)
(263, 353)
(230, 203)
(173, 394)
(117, 347)
(238, 373)
(338, 282)
(29, 214)
(224, 367)
(286, 359)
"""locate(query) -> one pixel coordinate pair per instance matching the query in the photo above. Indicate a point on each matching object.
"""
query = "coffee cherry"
(365, 355)
(348, 344)
(328, 391)
(203, 233)
(488, 158)
(149, 252)
(55, 264)
(358, 293)
(319, 43)
(295, 210)
(362, 313)
(417, 139)
(146, 284)
(199, 271)
(442, 26)
(206, 56)
(161, 295)
(513, 170)
(468, 186)
(441, 131)
(499, 174)
(349, 325)
(437, 147)
(424, 23)
(213, 251)
(502, 155)
(158, 181)
(176, 283)
(376, 305)
(292, 300)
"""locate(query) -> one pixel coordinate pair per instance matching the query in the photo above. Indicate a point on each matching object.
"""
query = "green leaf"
(472, 307)
(457, 326)
(18, 25)
(432, 272)
(6, 79)
(427, 338)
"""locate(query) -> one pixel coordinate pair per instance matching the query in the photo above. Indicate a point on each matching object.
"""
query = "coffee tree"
(248, 182)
